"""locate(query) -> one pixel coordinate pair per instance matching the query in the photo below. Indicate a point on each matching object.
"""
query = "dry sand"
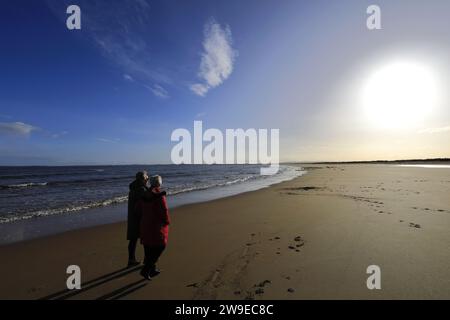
(309, 238)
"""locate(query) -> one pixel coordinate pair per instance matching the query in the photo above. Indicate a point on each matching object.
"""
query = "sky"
(114, 91)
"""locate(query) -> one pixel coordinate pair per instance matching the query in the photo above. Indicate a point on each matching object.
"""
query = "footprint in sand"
(192, 285)
(299, 243)
(414, 225)
(263, 283)
(259, 291)
(249, 296)
(259, 288)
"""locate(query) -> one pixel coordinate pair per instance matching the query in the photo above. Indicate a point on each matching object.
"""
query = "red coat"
(154, 229)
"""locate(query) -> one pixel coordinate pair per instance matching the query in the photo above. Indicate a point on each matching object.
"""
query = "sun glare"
(400, 95)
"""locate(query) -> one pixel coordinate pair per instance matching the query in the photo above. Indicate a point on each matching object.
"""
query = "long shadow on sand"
(124, 291)
(65, 294)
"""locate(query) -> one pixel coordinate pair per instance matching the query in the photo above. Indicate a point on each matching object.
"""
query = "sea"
(39, 201)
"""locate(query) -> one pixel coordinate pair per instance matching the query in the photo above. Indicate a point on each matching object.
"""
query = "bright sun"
(399, 95)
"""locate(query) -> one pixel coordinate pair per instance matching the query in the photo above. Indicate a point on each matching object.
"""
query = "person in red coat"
(154, 228)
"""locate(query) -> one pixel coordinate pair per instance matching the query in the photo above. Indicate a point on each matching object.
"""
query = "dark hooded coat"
(137, 192)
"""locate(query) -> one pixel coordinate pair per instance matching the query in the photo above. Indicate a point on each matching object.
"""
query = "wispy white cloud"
(119, 31)
(143, 3)
(59, 134)
(435, 130)
(217, 60)
(107, 140)
(199, 89)
(128, 77)
(158, 91)
(17, 128)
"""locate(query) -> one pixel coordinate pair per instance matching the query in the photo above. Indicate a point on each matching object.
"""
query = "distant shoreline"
(406, 161)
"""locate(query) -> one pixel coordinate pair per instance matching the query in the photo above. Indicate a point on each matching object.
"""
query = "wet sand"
(309, 238)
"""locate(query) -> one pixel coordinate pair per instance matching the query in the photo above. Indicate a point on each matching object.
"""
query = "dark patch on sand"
(303, 188)
(414, 225)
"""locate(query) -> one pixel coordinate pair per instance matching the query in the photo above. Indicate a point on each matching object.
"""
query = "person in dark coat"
(138, 191)
(154, 229)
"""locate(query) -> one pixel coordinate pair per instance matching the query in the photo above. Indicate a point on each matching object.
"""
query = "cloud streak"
(59, 134)
(119, 31)
(17, 128)
(105, 140)
(128, 77)
(217, 60)
(158, 91)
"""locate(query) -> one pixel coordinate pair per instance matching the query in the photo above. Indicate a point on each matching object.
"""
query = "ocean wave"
(102, 203)
(89, 180)
(205, 187)
(24, 185)
(62, 183)
(45, 174)
(123, 198)
(50, 212)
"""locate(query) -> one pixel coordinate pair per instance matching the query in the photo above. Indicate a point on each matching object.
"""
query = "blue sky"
(114, 91)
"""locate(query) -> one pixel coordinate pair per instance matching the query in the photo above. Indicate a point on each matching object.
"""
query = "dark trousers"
(132, 249)
(152, 254)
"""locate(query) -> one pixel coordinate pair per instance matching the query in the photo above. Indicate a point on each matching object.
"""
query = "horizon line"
(284, 162)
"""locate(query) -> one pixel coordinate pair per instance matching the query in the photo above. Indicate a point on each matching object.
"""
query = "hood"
(134, 185)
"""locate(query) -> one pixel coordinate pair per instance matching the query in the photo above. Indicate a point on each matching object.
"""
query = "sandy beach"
(309, 238)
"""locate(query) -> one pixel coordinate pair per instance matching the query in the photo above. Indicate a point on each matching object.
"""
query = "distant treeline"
(434, 160)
